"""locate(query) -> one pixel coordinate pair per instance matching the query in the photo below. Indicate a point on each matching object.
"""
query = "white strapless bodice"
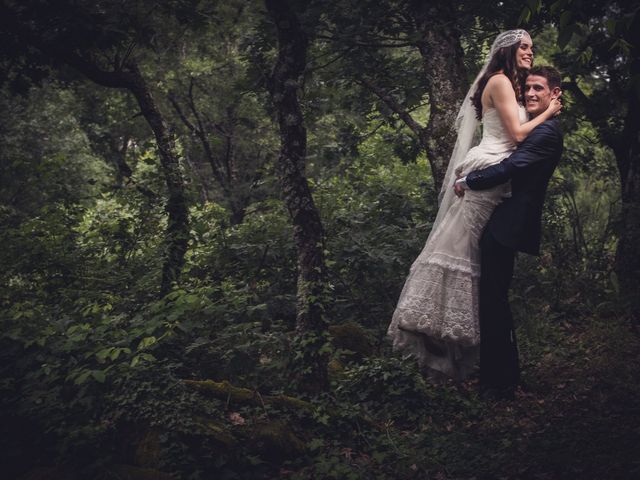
(493, 129)
(496, 143)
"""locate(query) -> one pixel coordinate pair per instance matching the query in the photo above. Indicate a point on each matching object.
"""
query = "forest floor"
(578, 417)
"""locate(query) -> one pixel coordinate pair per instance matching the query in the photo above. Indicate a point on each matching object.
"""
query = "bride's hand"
(554, 108)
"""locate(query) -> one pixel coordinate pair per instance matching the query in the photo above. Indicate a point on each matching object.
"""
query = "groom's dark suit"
(513, 226)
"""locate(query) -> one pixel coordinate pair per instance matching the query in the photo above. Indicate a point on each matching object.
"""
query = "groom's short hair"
(554, 79)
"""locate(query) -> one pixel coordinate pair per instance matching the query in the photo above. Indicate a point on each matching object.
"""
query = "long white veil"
(467, 126)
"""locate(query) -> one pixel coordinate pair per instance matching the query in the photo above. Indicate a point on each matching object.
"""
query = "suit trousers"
(499, 364)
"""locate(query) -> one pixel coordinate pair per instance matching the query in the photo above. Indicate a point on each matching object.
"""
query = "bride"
(436, 318)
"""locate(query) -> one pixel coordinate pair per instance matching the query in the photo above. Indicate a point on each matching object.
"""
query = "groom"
(513, 226)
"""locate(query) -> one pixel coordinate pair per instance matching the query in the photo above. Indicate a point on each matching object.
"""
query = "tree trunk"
(442, 59)
(308, 232)
(130, 78)
(222, 168)
(628, 250)
(627, 152)
(442, 56)
(177, 234)
(626, 148)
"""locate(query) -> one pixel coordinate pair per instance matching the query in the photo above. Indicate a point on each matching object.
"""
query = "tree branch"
(393, 104)
(183, 117)
(357, 43)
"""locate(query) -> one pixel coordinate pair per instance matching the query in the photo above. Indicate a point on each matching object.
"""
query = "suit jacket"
(515, 222)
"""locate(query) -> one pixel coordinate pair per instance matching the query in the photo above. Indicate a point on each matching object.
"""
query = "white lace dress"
(436, 318)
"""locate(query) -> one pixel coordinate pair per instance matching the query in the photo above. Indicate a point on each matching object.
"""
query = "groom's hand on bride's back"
(459, 186)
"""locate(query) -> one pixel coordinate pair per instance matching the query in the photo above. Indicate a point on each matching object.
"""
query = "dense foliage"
(102, 375)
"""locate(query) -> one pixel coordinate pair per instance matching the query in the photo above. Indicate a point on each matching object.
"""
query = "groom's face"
(538, 95)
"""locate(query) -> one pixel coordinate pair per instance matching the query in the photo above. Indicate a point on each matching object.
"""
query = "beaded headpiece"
(506, 39)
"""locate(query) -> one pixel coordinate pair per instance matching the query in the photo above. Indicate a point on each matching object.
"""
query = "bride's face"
(524, 55)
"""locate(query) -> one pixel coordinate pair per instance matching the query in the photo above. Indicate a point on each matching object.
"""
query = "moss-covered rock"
(353, 337)
(276, 441)
(230, 393)
(215, 430)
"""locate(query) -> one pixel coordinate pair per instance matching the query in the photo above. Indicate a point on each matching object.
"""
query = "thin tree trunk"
(307, 226)
(444, 69)
(222, 169)
(627, 153)
(123, 170)
(628, 249)
(177, 234)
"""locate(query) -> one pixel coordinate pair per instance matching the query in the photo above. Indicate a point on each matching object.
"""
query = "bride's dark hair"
(504, 59)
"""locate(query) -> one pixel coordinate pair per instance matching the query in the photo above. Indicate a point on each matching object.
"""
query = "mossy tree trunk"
(308, 232)
(438, 42)
(131, 79)
(442, 59)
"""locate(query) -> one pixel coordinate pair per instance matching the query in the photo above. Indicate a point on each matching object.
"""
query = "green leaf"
(316, 443)
(98, 375)
(257, 308)
(80, 379)
(585, 56)
(74, 328)
(147, 357)
(146, 342)
(102, 355)
(525, 16)
(117, 351)
(191, 299)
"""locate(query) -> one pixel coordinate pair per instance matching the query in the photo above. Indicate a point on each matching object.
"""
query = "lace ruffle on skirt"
(436, 318)
(440, 299)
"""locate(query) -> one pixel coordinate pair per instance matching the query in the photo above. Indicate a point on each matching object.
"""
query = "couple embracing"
(454, 305)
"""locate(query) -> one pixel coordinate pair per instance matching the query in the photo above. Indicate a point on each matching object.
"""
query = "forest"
(208, 210)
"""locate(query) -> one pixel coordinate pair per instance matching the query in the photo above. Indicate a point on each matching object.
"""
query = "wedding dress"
(436, 318)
